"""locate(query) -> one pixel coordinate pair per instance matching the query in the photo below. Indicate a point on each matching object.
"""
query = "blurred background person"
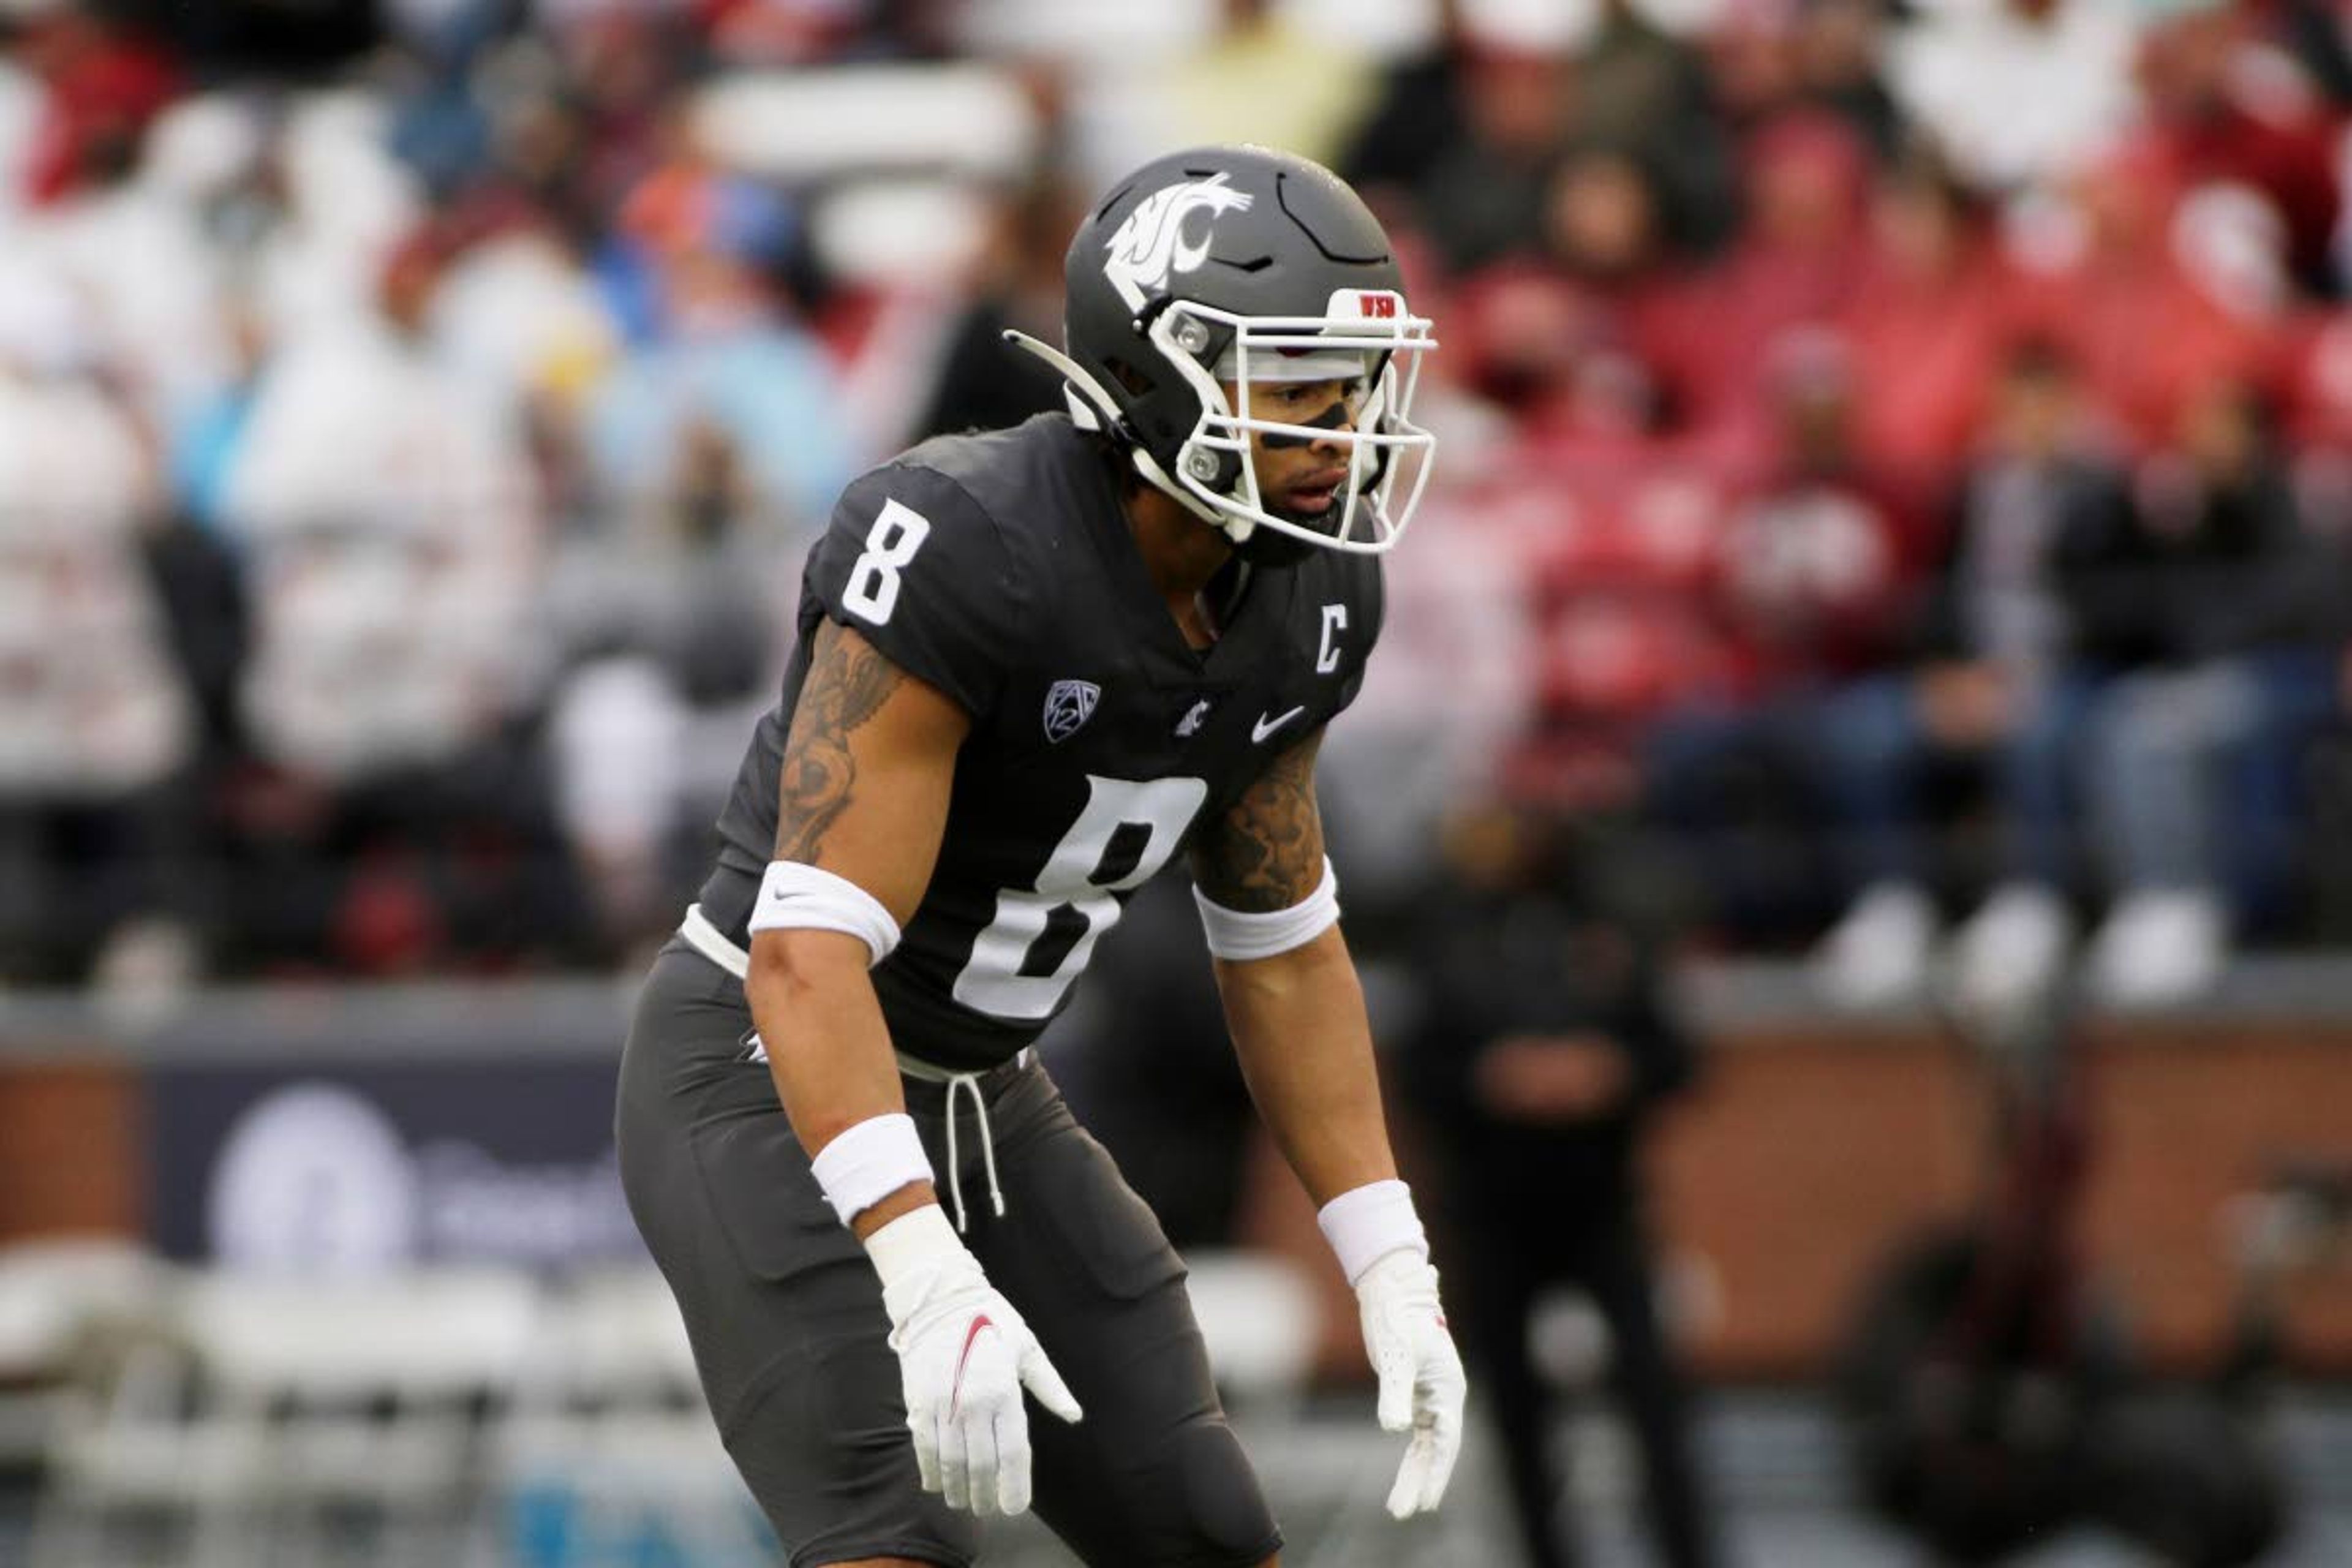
(2146, 663)
(2219, 616)
(983, 383)
(383, 507)
(98, 723)
(1545, 1050)
(1989, 673)
(1814, 565)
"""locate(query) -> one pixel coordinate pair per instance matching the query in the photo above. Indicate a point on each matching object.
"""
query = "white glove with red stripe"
(964, 1356)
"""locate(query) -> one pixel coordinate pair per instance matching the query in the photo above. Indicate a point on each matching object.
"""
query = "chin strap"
(1092, 408)
(1090, 405)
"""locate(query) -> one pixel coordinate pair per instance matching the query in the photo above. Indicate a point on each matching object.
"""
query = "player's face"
(1300, 477)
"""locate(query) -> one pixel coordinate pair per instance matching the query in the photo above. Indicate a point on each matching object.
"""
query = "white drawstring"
(707, 939)
(970, 1082)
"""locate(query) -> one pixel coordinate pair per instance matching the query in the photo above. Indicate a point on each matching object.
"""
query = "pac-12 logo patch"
(1069, 704)
(1154, 242)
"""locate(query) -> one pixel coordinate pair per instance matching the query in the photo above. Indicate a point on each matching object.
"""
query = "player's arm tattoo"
(1267, 852)
(847, 683)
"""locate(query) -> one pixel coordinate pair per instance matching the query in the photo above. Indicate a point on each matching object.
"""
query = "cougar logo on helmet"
(1151, 243)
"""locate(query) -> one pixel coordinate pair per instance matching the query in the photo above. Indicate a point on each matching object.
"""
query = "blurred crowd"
(1897, 454)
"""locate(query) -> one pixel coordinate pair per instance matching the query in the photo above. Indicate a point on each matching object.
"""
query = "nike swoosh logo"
(971, 1337)
(1266, 726)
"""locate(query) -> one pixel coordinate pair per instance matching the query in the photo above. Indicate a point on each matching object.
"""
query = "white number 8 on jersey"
(891, 544)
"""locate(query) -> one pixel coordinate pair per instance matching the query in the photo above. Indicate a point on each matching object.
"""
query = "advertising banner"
(363, 1167)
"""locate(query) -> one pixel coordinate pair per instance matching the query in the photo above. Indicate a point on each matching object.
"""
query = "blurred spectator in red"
(1795, 262)
(1610, 513)
(2118, 302)
(1576, 336)
(102, 87)
(1813, 570)
(2226, 108)
(1621, 544)
(539, 162)
(1818, 556)
(2014, 93)
(1925, 327)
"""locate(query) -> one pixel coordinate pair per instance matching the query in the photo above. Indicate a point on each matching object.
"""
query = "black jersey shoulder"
(1032, 478)
(932, 556)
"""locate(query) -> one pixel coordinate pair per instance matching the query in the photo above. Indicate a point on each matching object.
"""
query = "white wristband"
(1239, 935)
(797, 896)
(1366, 1223)
(868, 1162)
(916, 1240)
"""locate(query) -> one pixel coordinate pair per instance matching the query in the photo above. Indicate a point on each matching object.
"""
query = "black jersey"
(1000, 569)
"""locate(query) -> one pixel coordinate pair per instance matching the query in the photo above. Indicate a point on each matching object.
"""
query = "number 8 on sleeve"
(873, 587)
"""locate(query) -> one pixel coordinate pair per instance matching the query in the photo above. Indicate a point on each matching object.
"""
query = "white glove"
(964, 1356)
(1421, 1385)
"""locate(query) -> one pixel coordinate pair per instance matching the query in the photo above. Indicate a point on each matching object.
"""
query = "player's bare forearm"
(828, 1048)
(1298, 1019)
(862, 795)
(1306, 1049)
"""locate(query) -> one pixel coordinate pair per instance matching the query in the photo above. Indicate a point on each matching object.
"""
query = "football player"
(1032, 667)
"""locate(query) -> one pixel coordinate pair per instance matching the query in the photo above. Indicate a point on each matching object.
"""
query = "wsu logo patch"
(1069, 704)
(1152, 243)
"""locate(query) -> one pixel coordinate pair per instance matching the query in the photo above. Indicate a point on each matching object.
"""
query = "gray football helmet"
(1242, 265)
